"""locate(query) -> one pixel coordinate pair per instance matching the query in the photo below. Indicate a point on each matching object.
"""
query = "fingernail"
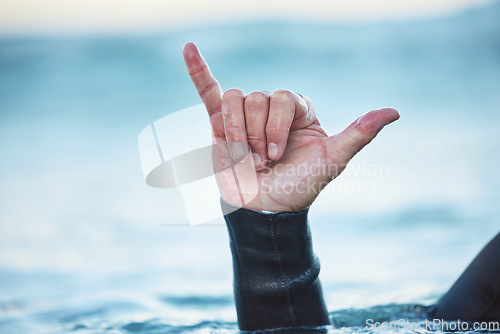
(272, 150)
(237, 150)
(257, 160)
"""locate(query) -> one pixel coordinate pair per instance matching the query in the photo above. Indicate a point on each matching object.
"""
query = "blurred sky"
(63, 16)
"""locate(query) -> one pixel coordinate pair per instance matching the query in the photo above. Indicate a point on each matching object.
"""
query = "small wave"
(158, 327)
(382, 313)
(353, 320)
(193, 301)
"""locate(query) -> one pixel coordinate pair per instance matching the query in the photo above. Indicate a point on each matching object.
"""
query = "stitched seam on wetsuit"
(237, 259)
(284, 277)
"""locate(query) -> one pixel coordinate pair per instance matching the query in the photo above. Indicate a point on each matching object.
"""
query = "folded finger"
(256, 113)
(234, 123)
(282, 107)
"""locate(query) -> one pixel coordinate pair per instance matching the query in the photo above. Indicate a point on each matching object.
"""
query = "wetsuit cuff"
(276, 282)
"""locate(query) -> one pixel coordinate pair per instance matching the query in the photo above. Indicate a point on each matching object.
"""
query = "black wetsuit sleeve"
(276, 284)
(475, 296)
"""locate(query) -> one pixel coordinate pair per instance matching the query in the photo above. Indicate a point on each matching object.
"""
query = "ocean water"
(86, 246)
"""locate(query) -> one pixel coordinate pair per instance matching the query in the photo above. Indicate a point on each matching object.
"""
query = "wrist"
(228, 207)
(275, 269)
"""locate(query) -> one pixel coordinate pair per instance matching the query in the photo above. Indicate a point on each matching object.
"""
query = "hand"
(271, 152)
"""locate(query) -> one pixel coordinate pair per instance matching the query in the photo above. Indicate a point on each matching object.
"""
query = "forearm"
(276, 282)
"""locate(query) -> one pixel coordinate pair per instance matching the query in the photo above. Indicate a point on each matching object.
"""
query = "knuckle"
(256, 98)
(281, 95)
(307, 100)
(205, 90)
(232, 94)
(198, 71)
(256, 137)
(235, 133)
(365, 127)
